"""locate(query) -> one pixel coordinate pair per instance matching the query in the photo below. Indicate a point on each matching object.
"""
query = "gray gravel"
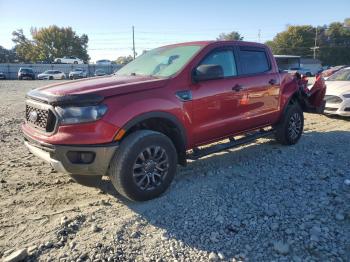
(258, 202)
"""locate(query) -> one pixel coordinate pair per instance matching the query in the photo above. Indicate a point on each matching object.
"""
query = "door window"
(254, 61)
(225, 59)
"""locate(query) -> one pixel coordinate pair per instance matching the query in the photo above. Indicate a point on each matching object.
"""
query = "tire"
(140, 152)
(76, 62)
(290, 128)
(86, 180)
(71, 78)
(58, 61)
(51, 78)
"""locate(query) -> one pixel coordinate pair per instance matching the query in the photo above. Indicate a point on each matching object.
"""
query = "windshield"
(342, 75)
(48, 72)
(162, 61)
(26, 70)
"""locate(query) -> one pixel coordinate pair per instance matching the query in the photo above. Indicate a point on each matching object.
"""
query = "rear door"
(260, 86)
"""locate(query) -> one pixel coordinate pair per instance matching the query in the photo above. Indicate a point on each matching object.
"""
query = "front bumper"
(59, 156)
(342, 109)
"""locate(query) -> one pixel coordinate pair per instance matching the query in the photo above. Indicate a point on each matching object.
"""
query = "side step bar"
(199, 153)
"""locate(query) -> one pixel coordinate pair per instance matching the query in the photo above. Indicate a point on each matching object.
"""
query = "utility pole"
(315, 46)
(259, 36)
(133, 41)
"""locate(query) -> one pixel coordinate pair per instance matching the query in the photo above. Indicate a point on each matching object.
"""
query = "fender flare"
(171, 118)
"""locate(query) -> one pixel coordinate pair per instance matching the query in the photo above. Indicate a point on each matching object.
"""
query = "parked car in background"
(69, 60)
(51, 75)
(327, 73)
(78, 73)
(300, 70)
(103, 62)
(312, 65)
(26, 73)
(338, 93)
(2, 76)
(100, 72)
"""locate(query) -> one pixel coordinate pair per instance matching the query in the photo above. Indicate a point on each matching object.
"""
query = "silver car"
(78, 73)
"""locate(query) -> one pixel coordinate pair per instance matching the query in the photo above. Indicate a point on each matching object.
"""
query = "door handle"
(237, 88)
(272, 81)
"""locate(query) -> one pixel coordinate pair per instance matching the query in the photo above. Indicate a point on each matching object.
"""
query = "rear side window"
(254, 61)
(225, 59)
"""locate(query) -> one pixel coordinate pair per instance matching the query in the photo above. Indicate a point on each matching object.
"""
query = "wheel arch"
(165, 123)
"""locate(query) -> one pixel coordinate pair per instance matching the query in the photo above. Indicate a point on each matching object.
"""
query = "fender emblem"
(184, 95)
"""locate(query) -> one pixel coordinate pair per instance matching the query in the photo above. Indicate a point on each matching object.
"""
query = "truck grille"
(43, 119)
(333, 99)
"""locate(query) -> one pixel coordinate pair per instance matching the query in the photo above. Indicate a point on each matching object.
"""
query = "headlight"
(72, 115)
(346, 95)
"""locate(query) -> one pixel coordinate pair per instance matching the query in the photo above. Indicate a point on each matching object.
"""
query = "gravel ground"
(258, 202)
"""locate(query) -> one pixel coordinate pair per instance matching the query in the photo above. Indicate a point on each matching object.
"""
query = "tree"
(7, 56)
(25, 49)
(296, 40)
(347, 22)
(334, 44)
(123, 60)
(50, 43)
(230, 36)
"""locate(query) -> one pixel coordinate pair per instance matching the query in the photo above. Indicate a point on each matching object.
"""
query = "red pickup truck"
(160, 109)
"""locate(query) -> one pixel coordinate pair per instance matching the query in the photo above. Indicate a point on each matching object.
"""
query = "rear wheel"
(144, 165)
(290, 128)
(86, 180)
(51, 78)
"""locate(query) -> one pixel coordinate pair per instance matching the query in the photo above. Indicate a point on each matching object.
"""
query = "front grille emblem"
(33, 116)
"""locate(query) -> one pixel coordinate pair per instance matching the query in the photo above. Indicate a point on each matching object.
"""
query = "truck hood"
(104, 86)
(93, 90)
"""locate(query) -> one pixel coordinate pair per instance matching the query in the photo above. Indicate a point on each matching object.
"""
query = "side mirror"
(208, 72)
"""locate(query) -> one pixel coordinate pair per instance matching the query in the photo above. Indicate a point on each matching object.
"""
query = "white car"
(69, 60)
(51, 75)
(338, 93)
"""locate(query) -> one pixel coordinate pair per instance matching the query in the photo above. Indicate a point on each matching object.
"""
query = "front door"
(215, 102)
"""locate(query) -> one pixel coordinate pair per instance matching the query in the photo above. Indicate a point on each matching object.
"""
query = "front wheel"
(290, 128)
(144, 165)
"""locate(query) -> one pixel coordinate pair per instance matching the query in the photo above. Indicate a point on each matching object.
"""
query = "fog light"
(81, 157)
(87, 157)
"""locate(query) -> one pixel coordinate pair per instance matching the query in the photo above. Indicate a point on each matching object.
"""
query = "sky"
(159, 22)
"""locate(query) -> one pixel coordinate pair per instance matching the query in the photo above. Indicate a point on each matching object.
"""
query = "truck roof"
(216, 42)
